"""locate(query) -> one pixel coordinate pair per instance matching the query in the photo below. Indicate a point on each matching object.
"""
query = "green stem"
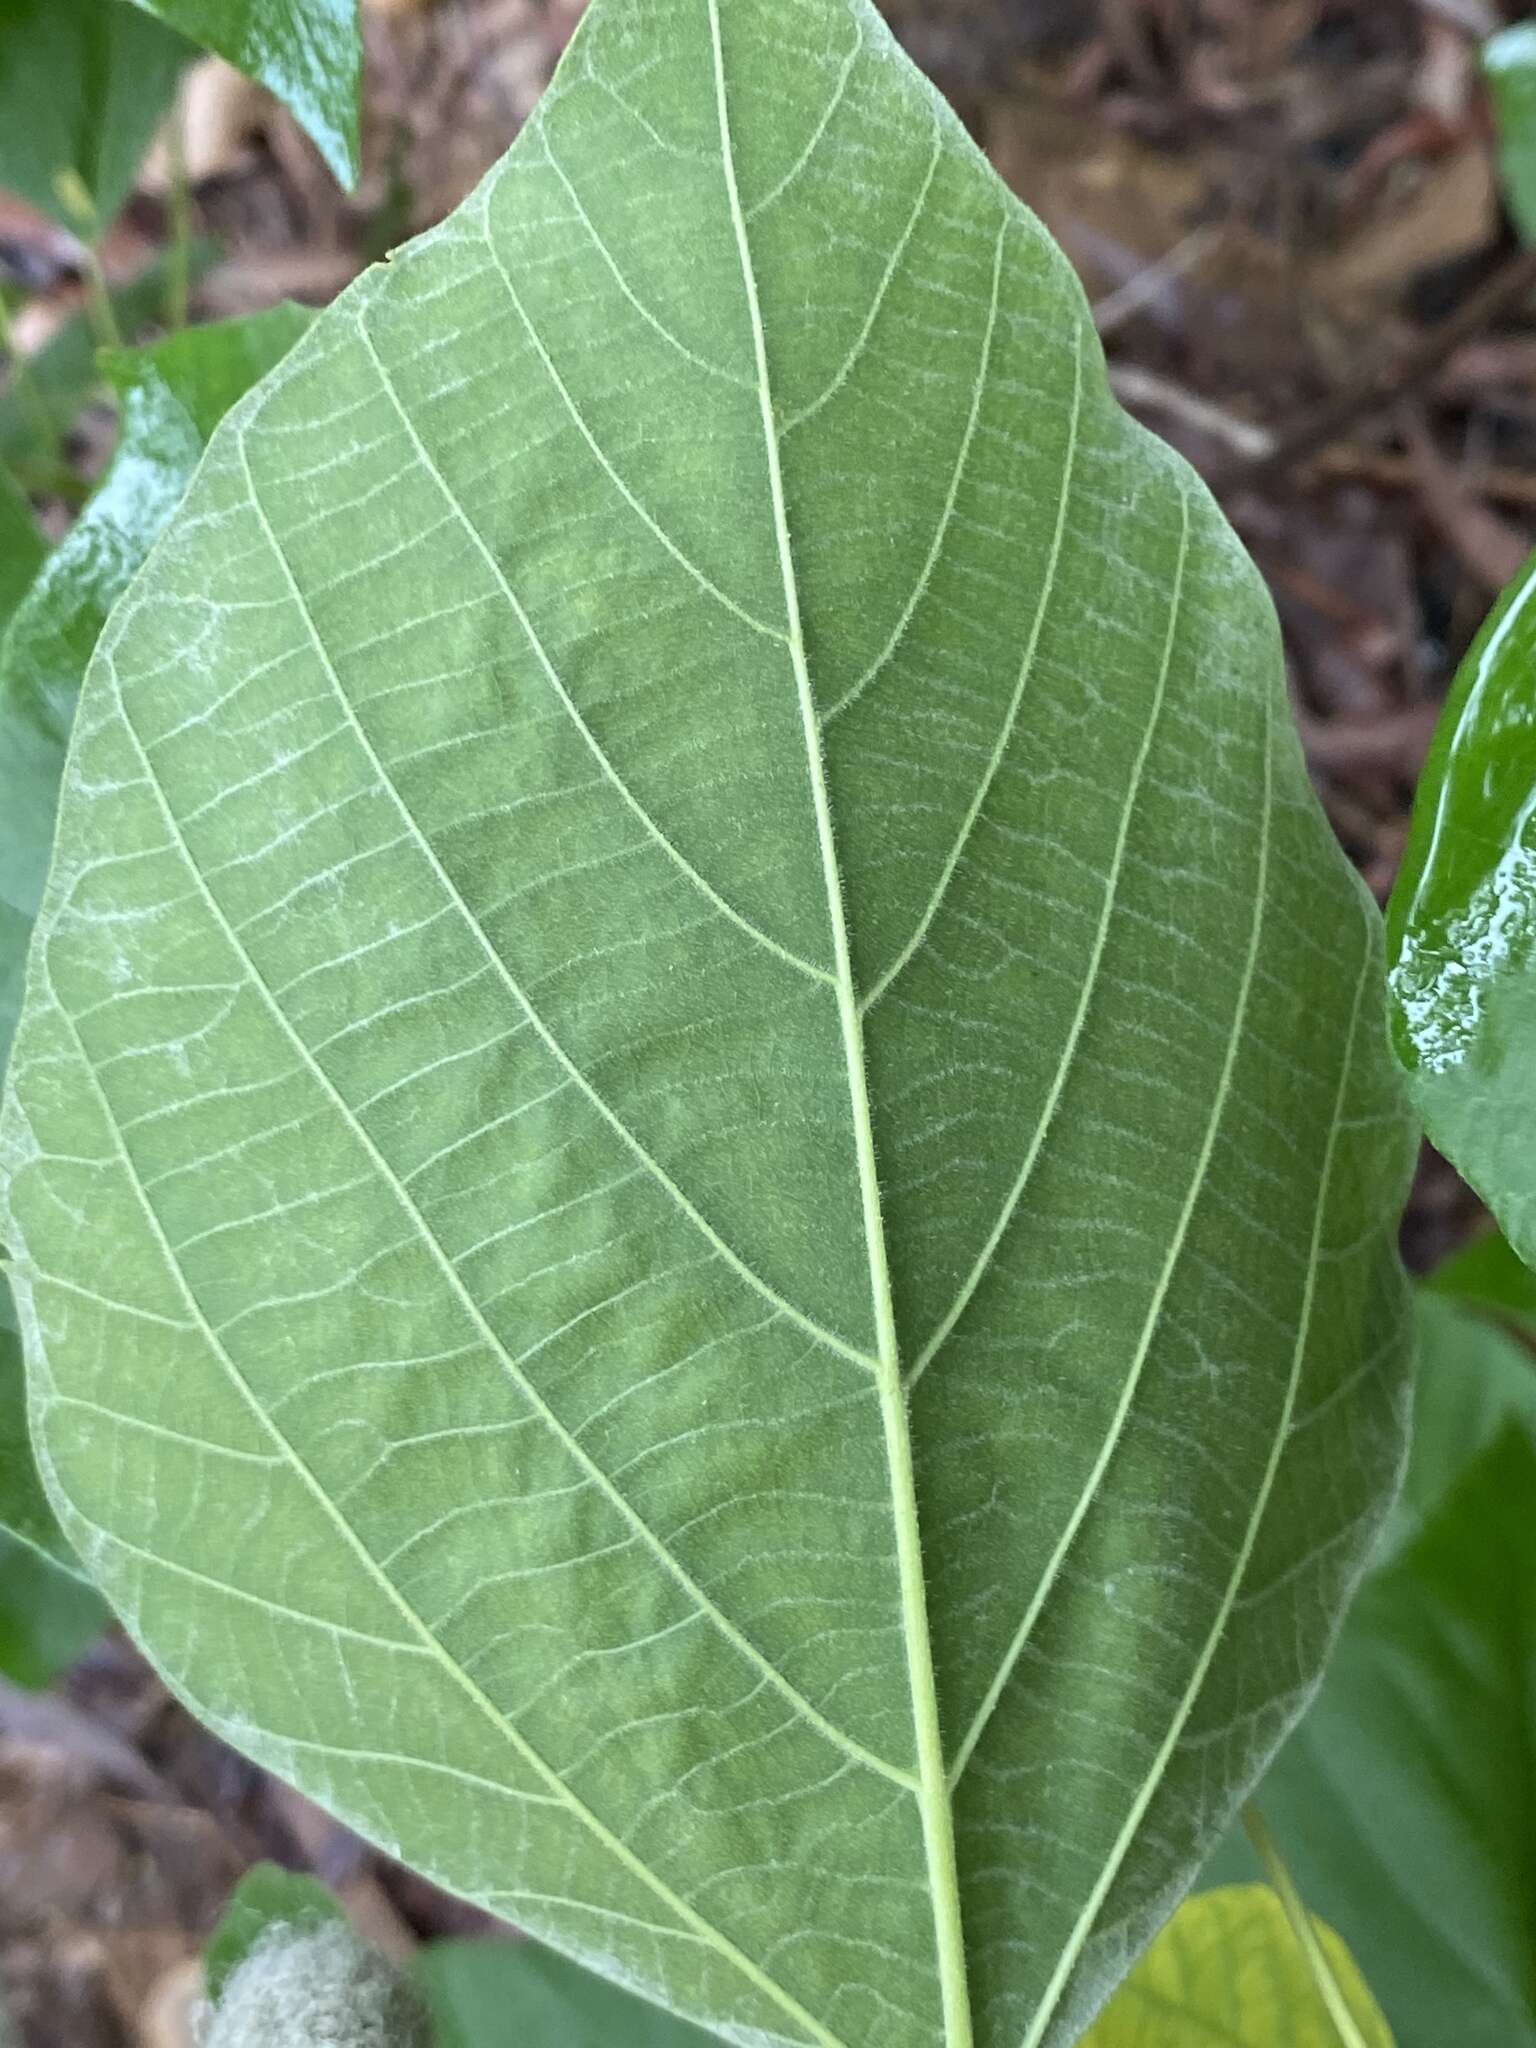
(98, 300)
(1303, 1927)
(178, 277)
(74, 196)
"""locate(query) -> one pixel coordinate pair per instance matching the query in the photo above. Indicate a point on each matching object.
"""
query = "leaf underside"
(171, 395)
(701, 1153)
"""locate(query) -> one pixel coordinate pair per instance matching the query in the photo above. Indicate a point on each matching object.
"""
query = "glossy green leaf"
(48, 1616)
(83, 86)
(1228, 1970)
(699, 1053)
(63, 374)
(1509, 62)
(1404, 1802)
(512, 1994)
(1462, 922)
(267, 1897)
(22, 546)
(308, 52)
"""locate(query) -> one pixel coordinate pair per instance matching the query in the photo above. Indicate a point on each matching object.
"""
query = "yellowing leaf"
(1228, 1972)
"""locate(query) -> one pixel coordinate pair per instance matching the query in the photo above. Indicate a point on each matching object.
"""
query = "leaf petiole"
(1324, 1976)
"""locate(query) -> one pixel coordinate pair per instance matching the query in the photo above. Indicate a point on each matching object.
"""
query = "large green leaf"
(308, 52)
(1405, 1801)
(1228, 1971)
(172, 396)
(1463, 922)
(702, 1157)
(83, 85)
(1227, 1968)
(1408, 1684)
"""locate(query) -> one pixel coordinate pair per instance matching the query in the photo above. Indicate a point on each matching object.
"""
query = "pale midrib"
(1073, 1947)
(933, 1796)
(1064, 1067)
(563, 1794)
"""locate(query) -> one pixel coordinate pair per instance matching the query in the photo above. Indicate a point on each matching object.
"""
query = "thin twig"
(1386, 382)
(75, 197)
(1391, 470)
(1487, 546)
(98, 299)
(1146, 390)
(178, 272)
(1145, 286)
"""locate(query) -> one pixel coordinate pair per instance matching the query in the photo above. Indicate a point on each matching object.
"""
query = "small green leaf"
(1509, 62)
(1404, 1803)
(22, 546)
(83, 85)
(1462, 922)
(1473, 1379)
(308, 52)
(1228, 1970)
(62, 375)
(48, 1616)
(207, 369)
(712, 1070)
(515, 1994)
(24, 1510)
(1488, 1275)
(267, 1897)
